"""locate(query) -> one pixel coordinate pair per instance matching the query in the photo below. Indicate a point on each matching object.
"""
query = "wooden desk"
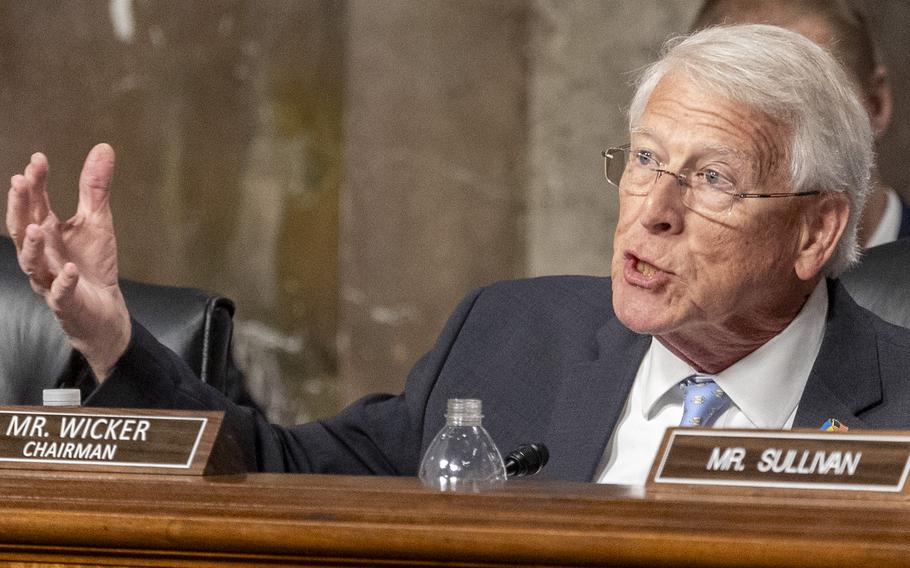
(271, 520)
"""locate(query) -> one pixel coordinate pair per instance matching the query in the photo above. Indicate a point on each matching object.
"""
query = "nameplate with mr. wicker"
(792, 459)
(109, 440)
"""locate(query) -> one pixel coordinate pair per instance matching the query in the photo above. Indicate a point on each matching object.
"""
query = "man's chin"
(642, 321)
(647, 318)
(645, 315)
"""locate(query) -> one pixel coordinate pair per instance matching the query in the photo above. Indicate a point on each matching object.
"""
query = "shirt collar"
(765, 385)
(889, 226)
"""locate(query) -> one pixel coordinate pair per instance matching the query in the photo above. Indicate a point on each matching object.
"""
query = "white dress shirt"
(890, 224)
(764, 388)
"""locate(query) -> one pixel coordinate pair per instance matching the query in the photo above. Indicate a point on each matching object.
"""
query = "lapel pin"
(834, 425)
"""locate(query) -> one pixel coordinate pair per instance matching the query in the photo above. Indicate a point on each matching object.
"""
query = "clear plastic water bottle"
(462, 456)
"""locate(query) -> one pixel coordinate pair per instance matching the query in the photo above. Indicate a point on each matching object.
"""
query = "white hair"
(792, 80)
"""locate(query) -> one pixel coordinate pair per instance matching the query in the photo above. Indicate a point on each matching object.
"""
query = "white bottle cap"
(62, 397)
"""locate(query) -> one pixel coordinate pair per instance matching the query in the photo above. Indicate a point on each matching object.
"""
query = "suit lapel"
(844, 382)
(845, 379)
(590, 402)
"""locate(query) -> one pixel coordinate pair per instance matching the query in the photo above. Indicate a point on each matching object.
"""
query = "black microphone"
(526, 459)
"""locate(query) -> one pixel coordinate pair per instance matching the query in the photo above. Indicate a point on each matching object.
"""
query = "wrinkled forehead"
(688, 117)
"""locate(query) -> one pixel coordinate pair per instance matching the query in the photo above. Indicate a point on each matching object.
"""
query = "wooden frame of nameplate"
(116, 440)
(857, 461)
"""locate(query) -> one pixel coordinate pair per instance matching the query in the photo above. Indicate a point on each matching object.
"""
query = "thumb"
(62, 298)
(95, 179)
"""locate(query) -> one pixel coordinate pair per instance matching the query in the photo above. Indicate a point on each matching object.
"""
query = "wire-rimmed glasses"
(705, 190)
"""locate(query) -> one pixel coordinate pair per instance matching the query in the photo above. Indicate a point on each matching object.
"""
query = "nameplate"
(794, 459)
(113, 440)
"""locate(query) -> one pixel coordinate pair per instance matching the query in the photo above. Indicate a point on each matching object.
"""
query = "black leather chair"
(35, 355)
(881, 282)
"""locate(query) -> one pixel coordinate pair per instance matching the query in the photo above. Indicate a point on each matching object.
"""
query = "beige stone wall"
(346, 170)
(433, 200)
(226, 119)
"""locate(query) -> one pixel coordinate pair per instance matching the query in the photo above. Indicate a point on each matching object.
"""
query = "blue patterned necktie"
(704, 401)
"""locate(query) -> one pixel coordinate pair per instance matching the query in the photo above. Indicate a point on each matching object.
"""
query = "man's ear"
(823, 224)
(879, 101)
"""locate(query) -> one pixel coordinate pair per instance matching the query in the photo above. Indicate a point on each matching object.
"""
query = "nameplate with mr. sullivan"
(109, 440)
(792, 459)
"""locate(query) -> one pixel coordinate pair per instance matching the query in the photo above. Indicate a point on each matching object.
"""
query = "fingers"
(17, 211)
(62, 298)
(36, 174)
(33, 261)
(27, 201)
(95, 179)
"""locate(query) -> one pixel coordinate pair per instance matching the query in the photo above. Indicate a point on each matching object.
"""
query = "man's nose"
(663, 209)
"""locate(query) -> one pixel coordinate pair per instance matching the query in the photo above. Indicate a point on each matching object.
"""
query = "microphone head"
(526, 459)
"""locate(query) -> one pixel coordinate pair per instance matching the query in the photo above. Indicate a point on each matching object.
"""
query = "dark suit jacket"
(904, 230)
(551, 363)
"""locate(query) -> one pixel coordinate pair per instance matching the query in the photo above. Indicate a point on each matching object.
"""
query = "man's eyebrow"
(726, 151)
(709, 148)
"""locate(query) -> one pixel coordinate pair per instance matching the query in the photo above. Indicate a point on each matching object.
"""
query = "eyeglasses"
(705, 190)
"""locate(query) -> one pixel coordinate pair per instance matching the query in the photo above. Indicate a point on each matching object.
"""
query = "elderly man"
(740, 190)
(842, 29)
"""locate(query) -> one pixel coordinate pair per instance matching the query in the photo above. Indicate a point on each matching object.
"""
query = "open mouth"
(643, 274)
(645, 269)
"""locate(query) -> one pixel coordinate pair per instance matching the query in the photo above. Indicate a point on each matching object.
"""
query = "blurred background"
(347, 170)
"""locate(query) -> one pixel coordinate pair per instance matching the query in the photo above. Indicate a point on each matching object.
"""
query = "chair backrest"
(34, 353)
(881, 282)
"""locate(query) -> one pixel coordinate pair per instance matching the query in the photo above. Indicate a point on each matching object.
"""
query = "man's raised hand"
(73, 263)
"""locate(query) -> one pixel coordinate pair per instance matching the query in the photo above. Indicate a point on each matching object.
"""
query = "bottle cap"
(464, 411)
(62, 397)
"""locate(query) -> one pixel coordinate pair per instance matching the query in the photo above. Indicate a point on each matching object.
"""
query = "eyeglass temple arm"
(766, 195)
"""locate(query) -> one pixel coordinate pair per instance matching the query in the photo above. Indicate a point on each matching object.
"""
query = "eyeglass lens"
(638, 178)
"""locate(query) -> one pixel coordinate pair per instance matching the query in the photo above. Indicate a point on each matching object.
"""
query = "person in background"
(844, 31)
(740, 188)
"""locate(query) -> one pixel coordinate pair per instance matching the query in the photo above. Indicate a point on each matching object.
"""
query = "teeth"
(645, 268)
